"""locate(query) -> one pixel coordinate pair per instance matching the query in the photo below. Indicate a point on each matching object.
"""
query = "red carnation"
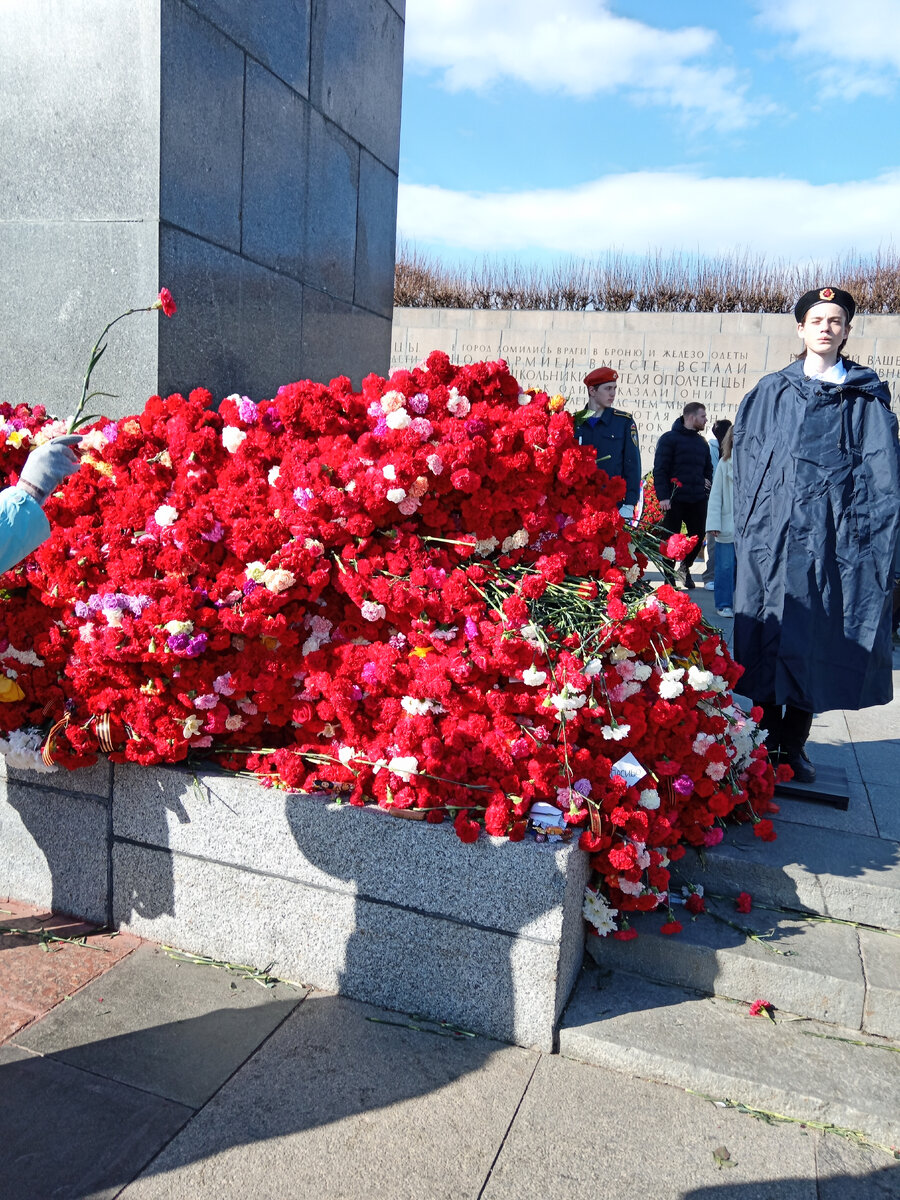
(762, 1008)
(671, 927)
(695, 904)
(744, 902)
(678, 546)
(765, 830)
(466, 830)
(165, 302)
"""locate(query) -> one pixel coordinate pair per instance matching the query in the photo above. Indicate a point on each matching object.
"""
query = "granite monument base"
(487, 937)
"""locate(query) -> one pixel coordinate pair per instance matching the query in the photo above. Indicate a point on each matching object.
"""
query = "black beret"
(825, 295)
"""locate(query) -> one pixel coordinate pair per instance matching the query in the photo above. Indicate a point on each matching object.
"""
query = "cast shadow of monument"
(117, 1113)
(463, 925)
(73, 834)
(388, 886)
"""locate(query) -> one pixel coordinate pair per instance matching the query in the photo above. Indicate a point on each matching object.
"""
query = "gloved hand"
(627, 511)
(46, 467)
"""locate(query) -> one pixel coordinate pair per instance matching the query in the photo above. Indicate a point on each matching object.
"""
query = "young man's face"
(697, 420)
(602, 396)
(823, 329)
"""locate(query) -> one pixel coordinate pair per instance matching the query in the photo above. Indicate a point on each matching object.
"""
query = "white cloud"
(643, 210)
(578, 47)
(849, 50)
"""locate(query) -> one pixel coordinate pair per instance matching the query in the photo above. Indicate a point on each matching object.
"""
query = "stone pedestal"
(399, 913)
(243, 155)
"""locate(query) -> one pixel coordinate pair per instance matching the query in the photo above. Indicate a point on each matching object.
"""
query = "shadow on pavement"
(88, 1119)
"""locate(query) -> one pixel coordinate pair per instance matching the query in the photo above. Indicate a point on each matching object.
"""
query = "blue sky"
(539, 131)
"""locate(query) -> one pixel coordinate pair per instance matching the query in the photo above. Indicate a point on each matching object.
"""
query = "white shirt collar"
(835, 374)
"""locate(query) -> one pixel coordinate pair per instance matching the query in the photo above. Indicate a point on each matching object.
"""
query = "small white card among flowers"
(629, 768)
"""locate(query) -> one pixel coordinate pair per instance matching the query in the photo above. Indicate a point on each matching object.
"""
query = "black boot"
(795, 727)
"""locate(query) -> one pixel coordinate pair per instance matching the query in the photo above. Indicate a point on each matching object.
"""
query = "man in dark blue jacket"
(613, 434)
(682, 477)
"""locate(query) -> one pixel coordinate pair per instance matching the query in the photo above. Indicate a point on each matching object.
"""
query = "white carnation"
(165, 515)
(398, 420)
(404, 767)
(22, 750)
(278, 580)
(372, 611)
(649, 798)
(179, 626)
(395, 495)
(392, 402)
(274, 472)
(232, 437)
(533, 677)
(699, 680)
(598, 912)
(389, 472)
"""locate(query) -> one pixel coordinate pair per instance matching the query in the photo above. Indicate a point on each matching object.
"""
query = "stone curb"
(794, 1068)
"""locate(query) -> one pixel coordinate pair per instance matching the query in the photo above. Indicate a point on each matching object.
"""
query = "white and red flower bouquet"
(420, 595)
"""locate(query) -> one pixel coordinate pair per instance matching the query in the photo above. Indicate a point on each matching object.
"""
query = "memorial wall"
(663, 359)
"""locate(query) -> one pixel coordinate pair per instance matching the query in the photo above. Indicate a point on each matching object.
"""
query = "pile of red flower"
(421, 594)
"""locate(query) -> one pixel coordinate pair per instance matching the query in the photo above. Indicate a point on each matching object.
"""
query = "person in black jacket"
(682, 477)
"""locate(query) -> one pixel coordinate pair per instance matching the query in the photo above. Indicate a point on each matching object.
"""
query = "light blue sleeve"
(23, 526)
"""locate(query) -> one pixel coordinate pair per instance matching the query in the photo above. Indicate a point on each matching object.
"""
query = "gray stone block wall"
(245, 156)
(400, 914)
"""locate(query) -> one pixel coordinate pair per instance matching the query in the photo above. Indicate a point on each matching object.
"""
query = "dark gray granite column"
(243, 155)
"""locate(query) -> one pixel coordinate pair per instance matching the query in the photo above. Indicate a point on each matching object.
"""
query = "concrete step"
(844, 875)
(794, 1067)
(818, 969)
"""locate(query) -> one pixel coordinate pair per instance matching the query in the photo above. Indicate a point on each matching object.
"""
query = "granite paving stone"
(345, 1100)
(885, 801)
(173, 1028)
(71, 1134)
(582, 1133)
(881, 963)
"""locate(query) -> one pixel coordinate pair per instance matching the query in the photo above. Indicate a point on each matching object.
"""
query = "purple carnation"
(110, 431)
(271, 421)
(683, 785)
(215, 534)
(471, 629)
(418, 403)
(476, 427)
(249, 586)
(196, 646)
(303, 496)
(178, 641)
(381, 428)
(81, 609)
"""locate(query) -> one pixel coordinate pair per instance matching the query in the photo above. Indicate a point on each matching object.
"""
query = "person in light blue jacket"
(720, 528)
(23, 526)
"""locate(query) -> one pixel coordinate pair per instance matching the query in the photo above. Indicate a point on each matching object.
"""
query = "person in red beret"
(613, 434)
